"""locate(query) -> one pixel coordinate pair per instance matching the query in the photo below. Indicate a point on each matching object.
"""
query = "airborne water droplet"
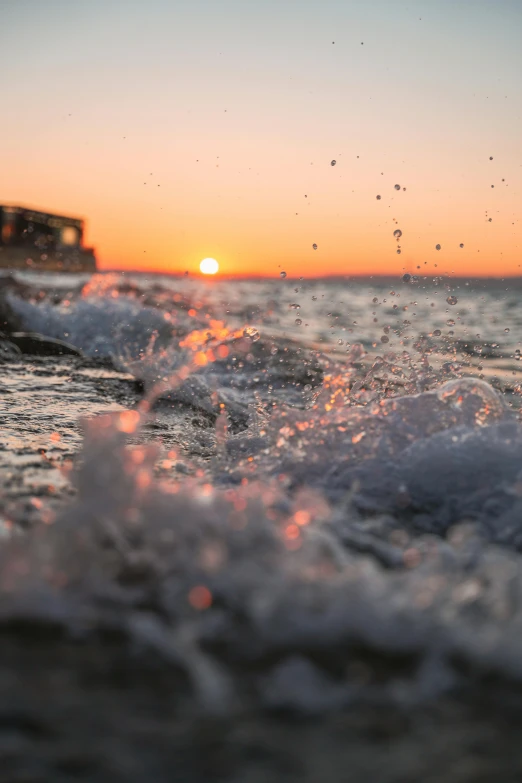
(378, 198)
(406, 278)
(397, 187)
(506, 330)
(314, 246)
(282, 274)
(452, 300)
(298, 322)
(397, 233)
(251, 333)
(333, 162)
(461, 244)
(437, 247)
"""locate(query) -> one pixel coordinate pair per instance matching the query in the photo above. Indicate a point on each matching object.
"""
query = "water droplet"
(298, 322)
(461, 244)
(314, 246)
(437, 333)
(406, 278)
(385, 339)
(397, 233)
(340, 342)
(452, 300)
(450, 322)
(251, 333)
(397, 187)
(491, 157)
(333, 162)
(282, 274)
(506, 330)
(378, 198)
(437, 247)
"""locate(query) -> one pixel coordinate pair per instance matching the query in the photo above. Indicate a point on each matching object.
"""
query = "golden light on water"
(209, 266)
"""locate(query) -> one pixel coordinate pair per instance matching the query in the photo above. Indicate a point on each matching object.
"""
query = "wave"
(349, 520)
(264, 582)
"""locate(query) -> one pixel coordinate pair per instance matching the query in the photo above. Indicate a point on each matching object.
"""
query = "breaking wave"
(332, 529)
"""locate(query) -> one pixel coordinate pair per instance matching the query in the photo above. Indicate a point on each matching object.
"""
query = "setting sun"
(209, 266)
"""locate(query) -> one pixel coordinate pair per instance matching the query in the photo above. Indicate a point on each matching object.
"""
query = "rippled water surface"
(296, 496)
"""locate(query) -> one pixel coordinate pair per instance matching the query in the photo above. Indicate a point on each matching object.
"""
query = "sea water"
(302, 495)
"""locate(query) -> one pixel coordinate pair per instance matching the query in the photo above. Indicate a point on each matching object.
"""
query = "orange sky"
(190, 129)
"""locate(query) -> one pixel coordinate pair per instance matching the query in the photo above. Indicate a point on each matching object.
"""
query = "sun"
(209, 266)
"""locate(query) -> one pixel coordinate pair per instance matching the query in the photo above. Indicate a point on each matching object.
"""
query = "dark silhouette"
(30, 239)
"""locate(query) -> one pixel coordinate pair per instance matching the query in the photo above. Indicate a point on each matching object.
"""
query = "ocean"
(260, 529)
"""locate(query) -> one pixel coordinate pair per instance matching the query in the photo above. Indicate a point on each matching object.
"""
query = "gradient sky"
(189, 128)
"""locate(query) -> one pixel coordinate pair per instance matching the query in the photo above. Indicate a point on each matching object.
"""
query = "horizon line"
(353, 275)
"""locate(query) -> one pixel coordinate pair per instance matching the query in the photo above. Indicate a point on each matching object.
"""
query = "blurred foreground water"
(260, 530)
